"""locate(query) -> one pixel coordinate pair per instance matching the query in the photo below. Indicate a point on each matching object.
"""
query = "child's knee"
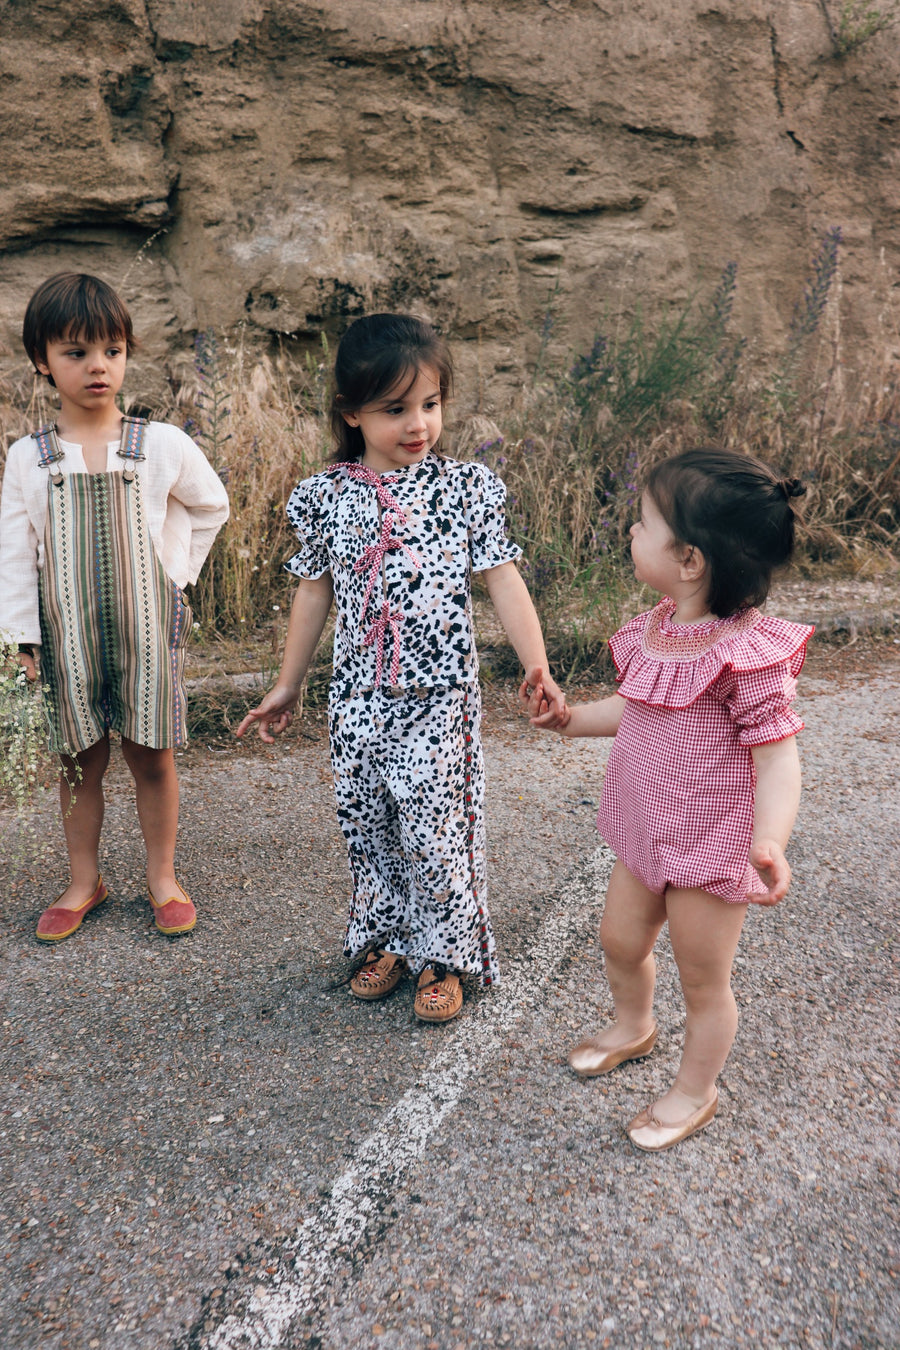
(87, 767)
(147, 764)
(702, 986)
(622, 943)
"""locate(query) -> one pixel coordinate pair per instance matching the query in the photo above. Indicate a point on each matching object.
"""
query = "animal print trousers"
(409, 780)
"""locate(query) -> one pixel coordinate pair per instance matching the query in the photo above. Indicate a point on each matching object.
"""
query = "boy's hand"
(273, 716)
(774, 870)
(26, 661)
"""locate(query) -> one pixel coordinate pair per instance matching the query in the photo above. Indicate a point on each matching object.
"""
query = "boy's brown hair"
(72, 305)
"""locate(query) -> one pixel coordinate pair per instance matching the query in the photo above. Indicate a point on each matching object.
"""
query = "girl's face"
(656, 559)
(87, 375)
(401, 427)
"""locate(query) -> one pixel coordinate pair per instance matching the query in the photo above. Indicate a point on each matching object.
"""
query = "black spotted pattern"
(405, 748)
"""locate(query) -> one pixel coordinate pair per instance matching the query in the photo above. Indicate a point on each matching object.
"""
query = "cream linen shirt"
(185, 501)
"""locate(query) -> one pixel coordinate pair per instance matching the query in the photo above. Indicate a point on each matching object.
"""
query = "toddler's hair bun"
(792, 487)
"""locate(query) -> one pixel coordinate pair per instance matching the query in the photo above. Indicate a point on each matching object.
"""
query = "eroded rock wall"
(287, 166)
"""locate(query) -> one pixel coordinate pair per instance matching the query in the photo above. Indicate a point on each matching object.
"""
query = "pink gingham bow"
(386, 499)
(374, 555)
(376, 635)
(372, 558)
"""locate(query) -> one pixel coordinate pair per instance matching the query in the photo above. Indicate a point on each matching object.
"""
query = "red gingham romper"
(678, 797)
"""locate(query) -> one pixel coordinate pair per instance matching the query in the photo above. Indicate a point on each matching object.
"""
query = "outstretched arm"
(516, 612)
(777, 800)
(308, 615)
(601, 718)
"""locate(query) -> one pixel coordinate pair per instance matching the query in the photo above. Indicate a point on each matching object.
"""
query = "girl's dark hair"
(379, 355)
(74, 305)
(737, 512)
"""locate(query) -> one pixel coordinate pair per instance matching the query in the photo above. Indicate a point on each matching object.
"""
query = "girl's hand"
(531, 698)
(777, 797)
(273, 716)
(774, 869)
(544, 701)
(548, 719)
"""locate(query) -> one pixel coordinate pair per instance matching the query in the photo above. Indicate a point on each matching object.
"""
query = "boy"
(103, 520)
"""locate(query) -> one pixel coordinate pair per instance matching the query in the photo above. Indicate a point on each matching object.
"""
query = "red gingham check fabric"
(677, 805)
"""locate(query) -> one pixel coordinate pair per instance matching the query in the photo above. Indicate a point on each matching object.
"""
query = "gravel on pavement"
(206, 1142)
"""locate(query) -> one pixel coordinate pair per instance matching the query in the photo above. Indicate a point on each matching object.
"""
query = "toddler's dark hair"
(378, 355)
(73, 305)
(737, 512)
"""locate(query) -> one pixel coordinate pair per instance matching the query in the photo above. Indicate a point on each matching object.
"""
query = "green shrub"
(860, 20)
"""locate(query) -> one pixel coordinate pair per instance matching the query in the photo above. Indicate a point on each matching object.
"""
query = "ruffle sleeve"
(485, 506)
(752, 658)
(304, 511)
(759, 702)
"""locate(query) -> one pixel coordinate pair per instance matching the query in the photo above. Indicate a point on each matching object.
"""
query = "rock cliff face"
(290, 165)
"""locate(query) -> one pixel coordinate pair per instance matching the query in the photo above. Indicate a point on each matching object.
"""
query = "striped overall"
(113, 625)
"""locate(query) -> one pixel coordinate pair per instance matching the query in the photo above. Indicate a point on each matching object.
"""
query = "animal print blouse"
(401, 548)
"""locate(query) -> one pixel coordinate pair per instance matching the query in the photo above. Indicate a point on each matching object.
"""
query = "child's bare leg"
(632, 919)
(704, 932)
(156, 791)
(81, 802)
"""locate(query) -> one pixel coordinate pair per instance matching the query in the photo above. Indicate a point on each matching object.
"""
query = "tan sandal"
(439, 995)
(378, 976)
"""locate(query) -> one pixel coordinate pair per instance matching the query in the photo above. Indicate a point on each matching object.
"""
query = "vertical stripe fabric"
(113, 625)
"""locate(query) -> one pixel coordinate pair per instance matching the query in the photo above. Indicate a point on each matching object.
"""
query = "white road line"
(361, 1191)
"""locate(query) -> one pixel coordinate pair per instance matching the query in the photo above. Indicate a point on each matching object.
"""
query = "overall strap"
(132, 443)
(49, 450)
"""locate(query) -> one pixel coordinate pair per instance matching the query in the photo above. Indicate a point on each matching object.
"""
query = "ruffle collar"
(670, 665)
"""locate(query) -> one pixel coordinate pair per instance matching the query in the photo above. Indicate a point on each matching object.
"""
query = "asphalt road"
(206, 1143)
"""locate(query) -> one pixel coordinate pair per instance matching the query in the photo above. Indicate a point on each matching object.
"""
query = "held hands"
(273, 716)
(774, 870)
(543, 700)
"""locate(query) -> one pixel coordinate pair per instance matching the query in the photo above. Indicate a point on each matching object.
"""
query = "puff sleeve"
(759, 704)
(304, 511)
(485, 505)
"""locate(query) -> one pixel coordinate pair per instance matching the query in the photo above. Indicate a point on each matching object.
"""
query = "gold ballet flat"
(651, 1135)
(589, 1059)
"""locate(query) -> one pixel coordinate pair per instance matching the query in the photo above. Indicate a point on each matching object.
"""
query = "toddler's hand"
(551, 718)
(544, 701)
(774, 869)
(556, 701)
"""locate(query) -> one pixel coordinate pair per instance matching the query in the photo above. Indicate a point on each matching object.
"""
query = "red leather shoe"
(174, 915)
(57, 923)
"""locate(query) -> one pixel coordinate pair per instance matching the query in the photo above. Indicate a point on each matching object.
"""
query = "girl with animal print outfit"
(391, 533)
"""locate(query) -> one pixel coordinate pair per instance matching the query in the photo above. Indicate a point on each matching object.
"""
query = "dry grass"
(572, 451)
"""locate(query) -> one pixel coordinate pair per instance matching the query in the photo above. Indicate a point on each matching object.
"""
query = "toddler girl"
(703, 781)
(103, 520)
(391, 533)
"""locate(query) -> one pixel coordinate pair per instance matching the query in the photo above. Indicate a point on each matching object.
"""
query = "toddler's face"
(653, 551)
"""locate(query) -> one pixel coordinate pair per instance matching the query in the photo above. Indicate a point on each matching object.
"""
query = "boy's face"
(87, 375)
